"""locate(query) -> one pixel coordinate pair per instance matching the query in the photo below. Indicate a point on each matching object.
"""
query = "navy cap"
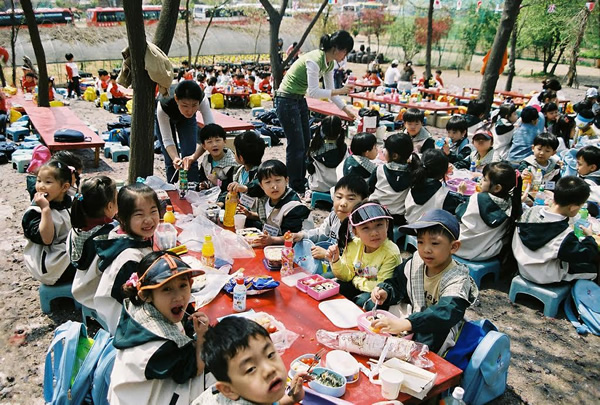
(164, 269)
(433, 218)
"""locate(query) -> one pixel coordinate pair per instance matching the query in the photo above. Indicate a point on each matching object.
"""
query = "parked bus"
(356, 8)
(229, 13)
(106, 17)
(43, 17)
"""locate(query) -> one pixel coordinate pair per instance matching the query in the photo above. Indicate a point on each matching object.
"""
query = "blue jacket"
(522, 142)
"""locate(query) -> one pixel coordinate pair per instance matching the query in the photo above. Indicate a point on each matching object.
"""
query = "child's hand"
(333, 253)
(213, 178)
(462, 187)
(560, 164)
(378, 295)
(297, 237)
(40, 200)
(587, 231)
(446, 148)
(263, 240)
(391, 326)
(242, 210)
(237, 188)
(201, 321)
(296, 388)
(318, 252)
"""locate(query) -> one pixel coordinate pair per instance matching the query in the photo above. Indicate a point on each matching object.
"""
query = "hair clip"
(79, 196)
(133, 280)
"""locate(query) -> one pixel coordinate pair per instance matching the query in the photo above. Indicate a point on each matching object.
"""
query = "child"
(369, 257)
(584, 121)
(421, 138)
(201, 80)
(115, 94)
(52, 95)
(265, 84)
(504, 128)
(364, 150)
(219, 164)
(390, 183)
(544, 158)
(29, 83)
(240, 354)
(461, 148)
(119, 255)
(249, 151)
(72, 76)
(438, 79)
(438, 289)
(251, 85)
(102, 82)
(280, 210)
(349, 191)
(490, 215)
(71, 159)
(550, 111)
(428, 191)
(475, 115)
(373, 79)
(46, 224)
(588, 168)
(92, 213)
(545, 246)
(3, 113)
(483, 153)
(326, 151)
(524, 136)
(239, 80)
(211, 88)
(156, 362)
(564, 129)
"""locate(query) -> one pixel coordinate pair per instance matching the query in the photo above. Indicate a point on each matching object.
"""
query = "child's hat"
(368, 212)
(41, 154)
(164, 269)
(591, 92)
(483, 133)
(584, 117)
(432, 218)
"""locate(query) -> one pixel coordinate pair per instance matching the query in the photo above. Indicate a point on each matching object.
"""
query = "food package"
(282, 338)
(254, 285)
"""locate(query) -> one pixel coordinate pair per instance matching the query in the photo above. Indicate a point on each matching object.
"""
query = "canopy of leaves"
(402, 34)
(441, 28)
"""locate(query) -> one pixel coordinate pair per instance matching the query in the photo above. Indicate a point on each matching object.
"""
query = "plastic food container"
(305, 282)
(165, 236)
(343, 363)
(298, 365)
(273, 255)
(364, 322)
(455, 182)
(318, 386)
(249, 234)
(323, 289)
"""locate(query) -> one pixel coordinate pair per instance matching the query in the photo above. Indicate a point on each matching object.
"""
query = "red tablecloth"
(326, 108)
(300, 313)
(228, 122)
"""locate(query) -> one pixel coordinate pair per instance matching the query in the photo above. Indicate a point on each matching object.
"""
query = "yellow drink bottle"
(169, 216)
(208, 252)
(231, 203)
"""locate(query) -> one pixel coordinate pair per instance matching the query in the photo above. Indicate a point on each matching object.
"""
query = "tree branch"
(306, 32)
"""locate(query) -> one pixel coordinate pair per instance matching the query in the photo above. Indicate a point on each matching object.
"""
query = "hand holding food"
(333, 253)
(391, 326)
(318, 252)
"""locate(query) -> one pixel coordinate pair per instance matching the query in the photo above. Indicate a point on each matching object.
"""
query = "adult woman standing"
(176, 120)
(290, 104)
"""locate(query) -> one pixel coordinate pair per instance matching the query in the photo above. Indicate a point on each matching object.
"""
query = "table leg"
(97, 157)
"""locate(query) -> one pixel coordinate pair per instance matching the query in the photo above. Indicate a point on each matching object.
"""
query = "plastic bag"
(156, 183)
(201, 200)
(372, 345)
(282, 338)
(254, 285)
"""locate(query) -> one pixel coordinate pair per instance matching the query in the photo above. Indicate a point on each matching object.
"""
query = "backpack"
(101, 380)
(484, 378)
(585, 297)
(71, 361)
(69, 135)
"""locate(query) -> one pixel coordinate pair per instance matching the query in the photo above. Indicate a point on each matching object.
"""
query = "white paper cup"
(391, 382)
(239, 221)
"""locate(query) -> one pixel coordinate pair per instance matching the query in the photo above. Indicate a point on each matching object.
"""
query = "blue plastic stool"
(31, 138)
(256, 111)
(87, 312)
(479, 269)
(120, 153)
(108, 146)
(410, 240)
(266, 139)
(21, 158)
(388, 124)
(17, 133)
(319, 196)
(550, 294)
(49, 293)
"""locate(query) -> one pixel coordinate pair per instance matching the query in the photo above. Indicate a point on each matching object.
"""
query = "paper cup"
(239, 221)
(391, 382)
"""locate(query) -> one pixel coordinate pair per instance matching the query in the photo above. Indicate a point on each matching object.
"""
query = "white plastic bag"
(156, 183)
(200, 200)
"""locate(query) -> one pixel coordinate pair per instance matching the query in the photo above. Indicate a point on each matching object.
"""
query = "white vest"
(393, 200)
(414, 211)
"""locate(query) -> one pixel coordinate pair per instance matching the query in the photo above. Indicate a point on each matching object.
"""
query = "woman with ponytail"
(290, 104)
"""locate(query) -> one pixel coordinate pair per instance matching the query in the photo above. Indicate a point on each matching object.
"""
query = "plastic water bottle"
(540, 197)
(239, 295)
(439, 143)
(537, 180)
(183, 183)
(208, 252)
(581, 220)
(456, 398)
(473, 166)
(287, 255)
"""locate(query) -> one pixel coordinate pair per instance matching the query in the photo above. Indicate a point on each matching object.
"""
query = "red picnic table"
(300, 314)
(229, 123)
(326, 108)
(234, 94)
(48, 120)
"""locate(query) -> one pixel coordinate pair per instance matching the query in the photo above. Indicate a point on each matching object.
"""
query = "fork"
(316, 359)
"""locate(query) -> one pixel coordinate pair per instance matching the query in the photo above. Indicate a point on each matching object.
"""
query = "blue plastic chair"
(49, 293)
(480, 269)
(551, 295)
(319, 196)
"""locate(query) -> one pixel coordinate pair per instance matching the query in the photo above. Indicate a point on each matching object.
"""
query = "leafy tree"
(346, 21)
(375, 22)
(479, 28)
(582, 18)
(403, 34)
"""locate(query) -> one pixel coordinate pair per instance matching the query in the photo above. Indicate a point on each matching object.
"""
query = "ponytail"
(516, 209)
(432, 165)
(92, 199)
(341, 40)
(511, 183)
(325, 42)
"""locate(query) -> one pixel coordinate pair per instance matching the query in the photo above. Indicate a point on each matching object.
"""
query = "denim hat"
(164, 269)
(433, 218)
(368, 212)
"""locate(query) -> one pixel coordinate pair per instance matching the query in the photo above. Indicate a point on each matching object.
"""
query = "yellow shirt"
(366, 270)
(431, 285)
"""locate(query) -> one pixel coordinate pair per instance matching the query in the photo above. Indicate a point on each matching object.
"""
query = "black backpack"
(7, 148)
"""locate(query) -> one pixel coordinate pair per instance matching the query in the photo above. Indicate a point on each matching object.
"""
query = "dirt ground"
(550, 363)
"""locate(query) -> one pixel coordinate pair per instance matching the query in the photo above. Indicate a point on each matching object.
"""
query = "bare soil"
(550, 363)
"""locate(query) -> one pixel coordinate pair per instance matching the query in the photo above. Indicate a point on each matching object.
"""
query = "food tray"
(305, 282)
(273, 255)
(249, 234)
(314, 290)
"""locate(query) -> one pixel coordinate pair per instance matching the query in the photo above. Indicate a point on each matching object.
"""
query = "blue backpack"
(70, 352)
(585, 297)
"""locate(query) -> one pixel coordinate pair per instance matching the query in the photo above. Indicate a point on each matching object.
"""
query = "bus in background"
(228, 13)
(110, 16)
(357, 8)
(45, 17)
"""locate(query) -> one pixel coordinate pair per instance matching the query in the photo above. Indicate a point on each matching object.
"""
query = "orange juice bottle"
(231, 203)
(169, 216)
(208, 252)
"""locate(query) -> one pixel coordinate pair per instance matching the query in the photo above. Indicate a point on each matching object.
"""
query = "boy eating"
(438, 289)
(524, 136)
(543, 158)
(248, 369)
(249, 151)
(218, 165)
(413, 122)
(544, 244)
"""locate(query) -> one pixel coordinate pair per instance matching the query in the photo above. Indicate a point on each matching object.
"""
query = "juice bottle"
(183, 183)
(208, 252)
(527, 176)
(231, 203)
(287, 255)
(169, 216)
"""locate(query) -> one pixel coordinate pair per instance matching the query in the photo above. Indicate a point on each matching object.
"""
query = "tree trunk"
(187, 30)
(429, 39)
(163, 37)
(490, 77)
(14, 33)
(557, 61)
(142, 121)
(38, 49)
(513, 58)
(572, 73)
